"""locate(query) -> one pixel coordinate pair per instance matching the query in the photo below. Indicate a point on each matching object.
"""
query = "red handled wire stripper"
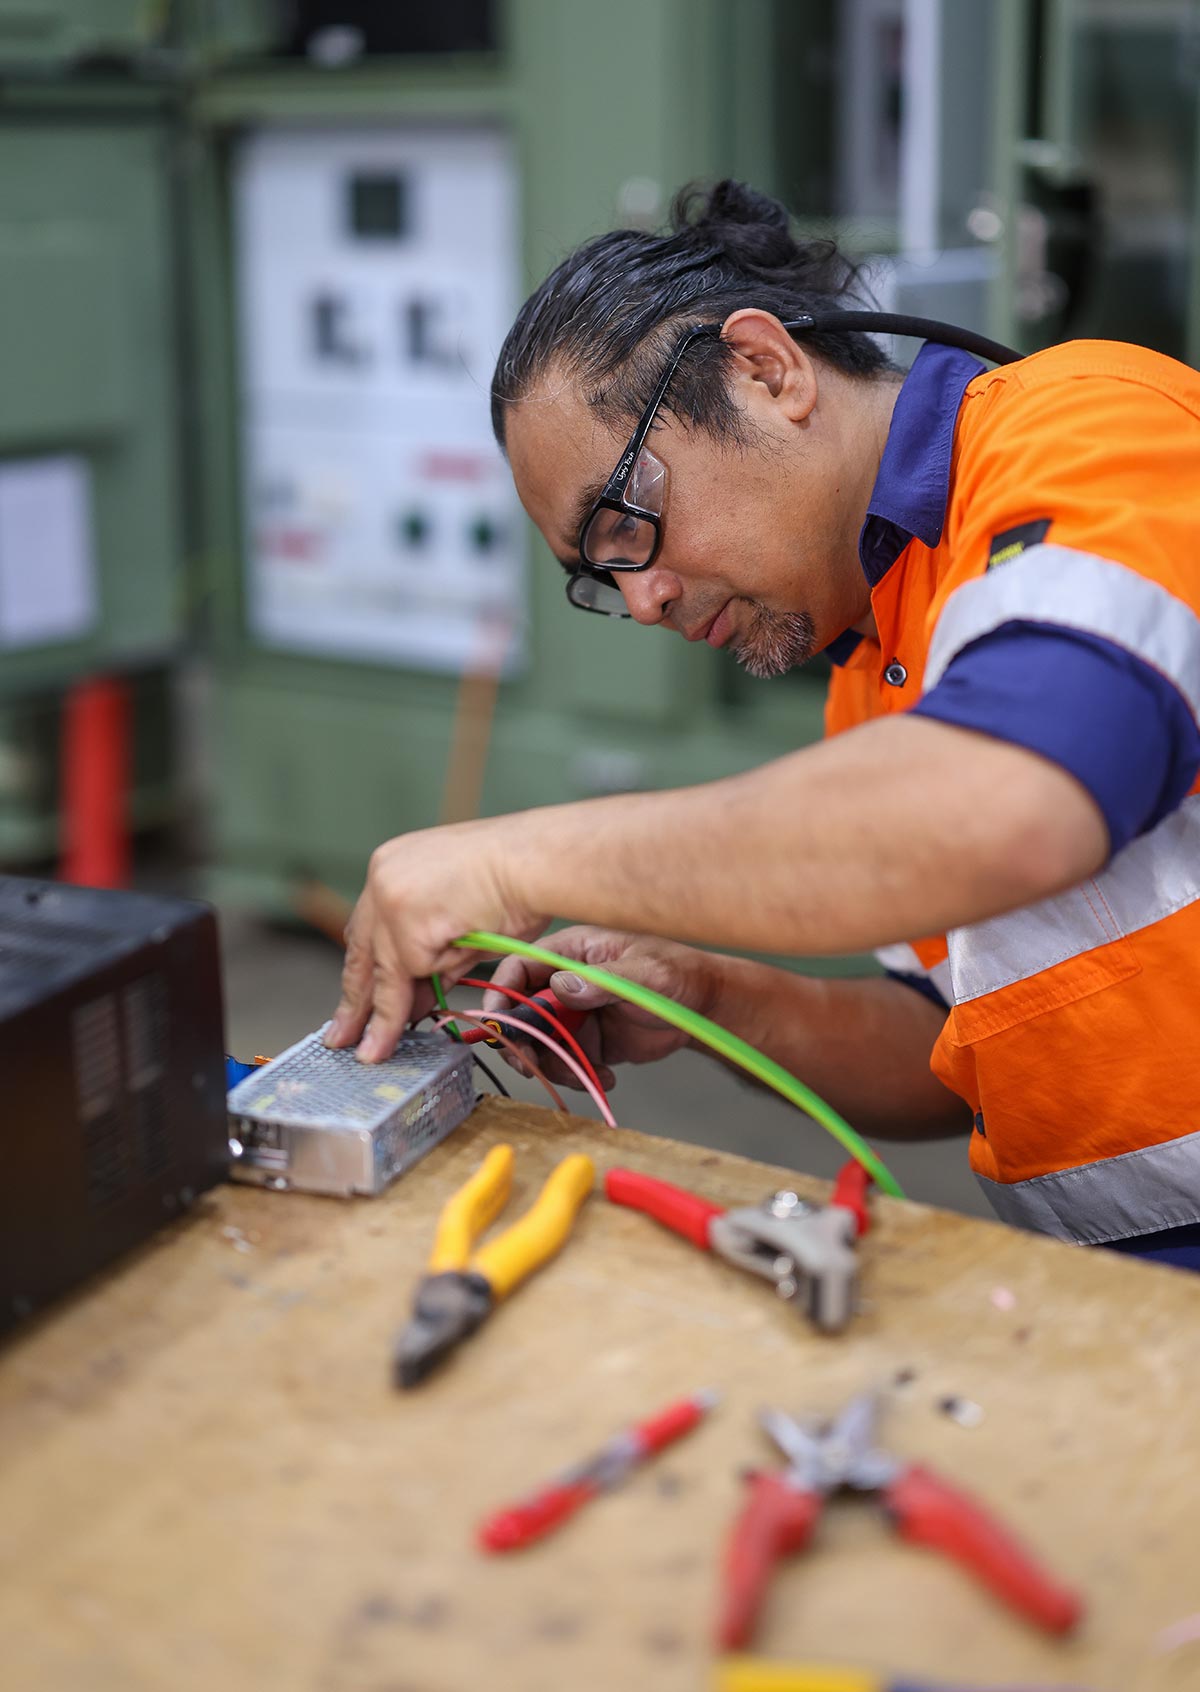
(784, 1505)
(807, 1250)
(571, 1020)
(524, 1523)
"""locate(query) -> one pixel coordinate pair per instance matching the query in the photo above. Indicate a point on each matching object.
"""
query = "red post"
(95, 770)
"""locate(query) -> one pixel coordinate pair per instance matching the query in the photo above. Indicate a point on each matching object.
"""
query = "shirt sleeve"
(920, 984)
(1119, 726)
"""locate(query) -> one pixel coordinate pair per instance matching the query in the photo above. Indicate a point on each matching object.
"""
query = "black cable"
(496, 1083)
(494, 1079)
(922, 328)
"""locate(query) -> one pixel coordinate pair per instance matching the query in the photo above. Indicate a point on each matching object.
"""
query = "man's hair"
(610, 313)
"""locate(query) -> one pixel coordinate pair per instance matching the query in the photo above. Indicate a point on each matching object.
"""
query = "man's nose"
(647, 593)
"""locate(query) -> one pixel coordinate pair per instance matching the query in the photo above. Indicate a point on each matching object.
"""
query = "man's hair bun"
(748, 227)
(753, 232)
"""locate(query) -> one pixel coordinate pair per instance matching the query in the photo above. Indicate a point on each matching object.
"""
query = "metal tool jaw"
(806, 1250)
(609, 1466)
(446, 1309)
(842, 1454)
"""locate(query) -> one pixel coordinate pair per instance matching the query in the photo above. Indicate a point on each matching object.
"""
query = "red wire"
(507, 1040)
(568, 1038)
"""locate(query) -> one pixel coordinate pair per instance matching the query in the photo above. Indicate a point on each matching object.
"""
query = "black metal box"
(112, 1083)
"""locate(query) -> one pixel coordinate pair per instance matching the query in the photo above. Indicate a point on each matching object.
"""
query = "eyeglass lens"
(619, 539)
(597, 593)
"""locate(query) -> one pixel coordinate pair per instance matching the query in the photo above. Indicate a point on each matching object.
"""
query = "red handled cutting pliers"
(784, 1505)
(807, 1250)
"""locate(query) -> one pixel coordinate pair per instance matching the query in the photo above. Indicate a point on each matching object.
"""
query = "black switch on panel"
(330, 339)
(426, 337)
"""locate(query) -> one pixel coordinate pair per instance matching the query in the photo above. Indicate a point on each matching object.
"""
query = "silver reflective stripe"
(1137, 1192)
(1075, 590)
(904, 961)
(901, 958)
(1154, 875)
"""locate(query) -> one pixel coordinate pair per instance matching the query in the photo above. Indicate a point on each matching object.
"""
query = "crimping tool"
(806, 1250)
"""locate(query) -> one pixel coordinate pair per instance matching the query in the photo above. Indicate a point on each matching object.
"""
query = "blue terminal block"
(235, 1072)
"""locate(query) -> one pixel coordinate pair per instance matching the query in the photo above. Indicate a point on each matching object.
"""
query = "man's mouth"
(716, 631)
(721, 627)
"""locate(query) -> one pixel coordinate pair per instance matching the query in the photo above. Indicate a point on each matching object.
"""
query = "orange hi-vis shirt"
(1069, 504)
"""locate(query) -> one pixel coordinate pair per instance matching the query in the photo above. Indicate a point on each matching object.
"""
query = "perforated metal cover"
(323, 1122)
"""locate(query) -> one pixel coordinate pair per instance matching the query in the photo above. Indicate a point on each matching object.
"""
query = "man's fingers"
(518, 1058)
(354, 1006)
(529, 976)
(573, 990)
(424, 1002)
(510, 972)
(392, 994)
(550, 1066)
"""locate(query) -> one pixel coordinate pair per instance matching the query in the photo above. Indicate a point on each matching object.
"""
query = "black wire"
(494, 1079)
(496, 1083)
(924, 328)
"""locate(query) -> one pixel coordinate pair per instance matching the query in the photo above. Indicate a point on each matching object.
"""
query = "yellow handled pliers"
(462, 1288)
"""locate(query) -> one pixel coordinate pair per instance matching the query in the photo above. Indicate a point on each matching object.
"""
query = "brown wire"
(525, 1062)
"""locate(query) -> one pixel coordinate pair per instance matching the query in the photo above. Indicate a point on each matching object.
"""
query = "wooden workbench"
(207, 1481)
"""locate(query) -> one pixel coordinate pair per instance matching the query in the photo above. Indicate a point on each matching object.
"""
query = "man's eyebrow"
(582, 507)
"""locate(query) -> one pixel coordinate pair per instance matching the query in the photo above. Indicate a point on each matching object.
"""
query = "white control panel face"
(377, 277)
(49, 587)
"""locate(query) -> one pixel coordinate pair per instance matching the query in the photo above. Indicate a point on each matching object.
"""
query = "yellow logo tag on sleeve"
(1012, 542)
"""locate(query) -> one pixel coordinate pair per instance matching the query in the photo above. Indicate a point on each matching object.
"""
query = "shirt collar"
(912, 488)
(843, 647)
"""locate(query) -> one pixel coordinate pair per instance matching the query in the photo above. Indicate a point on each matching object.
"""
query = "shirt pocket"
(1013, 968)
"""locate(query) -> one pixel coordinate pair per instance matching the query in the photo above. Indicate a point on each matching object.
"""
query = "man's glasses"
(623, 529)
(620, 536)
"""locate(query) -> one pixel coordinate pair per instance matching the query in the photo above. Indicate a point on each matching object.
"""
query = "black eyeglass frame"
(612, 496)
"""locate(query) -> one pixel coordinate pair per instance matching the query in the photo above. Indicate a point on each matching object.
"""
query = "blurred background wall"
(266, 596)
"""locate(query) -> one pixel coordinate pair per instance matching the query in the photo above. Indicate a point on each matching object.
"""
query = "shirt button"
(895, 675)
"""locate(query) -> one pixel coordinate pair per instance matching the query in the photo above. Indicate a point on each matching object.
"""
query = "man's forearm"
(862, 1044)
(902, 828)
(898, 829)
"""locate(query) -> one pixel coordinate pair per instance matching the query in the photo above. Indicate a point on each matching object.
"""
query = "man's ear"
(766, 353)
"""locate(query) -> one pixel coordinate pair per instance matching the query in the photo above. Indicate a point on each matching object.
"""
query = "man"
(1005, 568)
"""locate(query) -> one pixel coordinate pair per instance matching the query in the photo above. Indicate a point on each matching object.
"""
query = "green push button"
(485, 534)
(412, 529)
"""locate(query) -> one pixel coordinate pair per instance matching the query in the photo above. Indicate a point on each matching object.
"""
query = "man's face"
(759, 542)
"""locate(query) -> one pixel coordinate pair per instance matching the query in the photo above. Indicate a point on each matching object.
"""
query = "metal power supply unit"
(322, 1122)
(112, 1078)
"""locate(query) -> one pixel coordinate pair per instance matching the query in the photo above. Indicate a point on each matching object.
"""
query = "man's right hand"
(615, 1032)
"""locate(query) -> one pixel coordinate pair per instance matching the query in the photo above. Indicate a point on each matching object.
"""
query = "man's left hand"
(422, 892)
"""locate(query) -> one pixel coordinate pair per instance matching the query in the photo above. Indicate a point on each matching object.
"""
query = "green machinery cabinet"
(56, 33)
(323, 756)
(95, 399)
(88, 329)
(91, 532)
